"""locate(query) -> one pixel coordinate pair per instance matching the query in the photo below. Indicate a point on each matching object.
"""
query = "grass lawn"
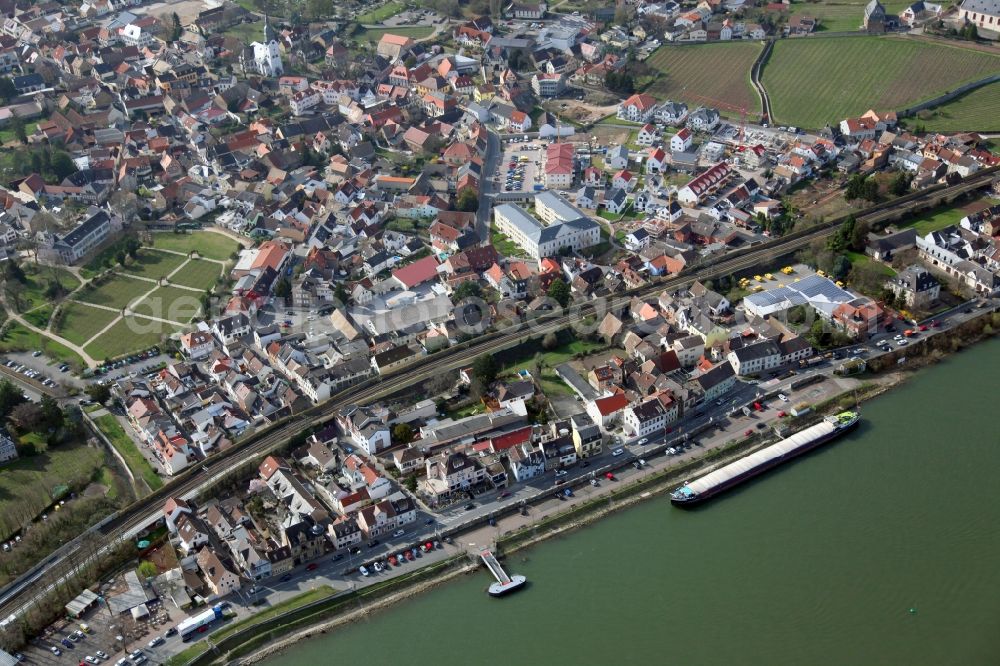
(859, 258)
(154, 265)
(26, 484)
(116, 293)
(505, 245)
(412, 31)
(7, 134)
(554, 357)
(40, 316)
(198, 273)
(817, 81)
(81, 322)
(840, 15)
(387, 10)
(553, 385)
(173, 303)
(131, 334)
(304, 599)
(975, 111)
(682, 74)
(128, 450)
(246, 32)
(38, 279)
(207, 243)
(19, 338)
(935, 219)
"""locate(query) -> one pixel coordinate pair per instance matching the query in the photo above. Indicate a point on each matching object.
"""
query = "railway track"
(21, 594)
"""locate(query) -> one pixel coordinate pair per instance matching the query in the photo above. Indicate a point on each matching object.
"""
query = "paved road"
(491, 164)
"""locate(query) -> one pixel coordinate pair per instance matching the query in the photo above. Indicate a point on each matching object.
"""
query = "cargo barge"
(713, 483)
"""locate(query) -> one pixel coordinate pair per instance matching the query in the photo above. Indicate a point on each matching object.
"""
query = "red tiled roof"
(418, 272)
(611, 404)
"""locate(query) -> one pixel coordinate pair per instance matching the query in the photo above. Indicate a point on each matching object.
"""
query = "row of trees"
(861, 187)
(621, 82)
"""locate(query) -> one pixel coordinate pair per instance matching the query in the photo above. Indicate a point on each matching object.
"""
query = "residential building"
(607, 411)
(651, 416)
(716, 382)
(587, 437)
(638, 108)
(544, 241)
(916, 287)
(219, 577)
(559, 165)
(755, 358)
(84, 238)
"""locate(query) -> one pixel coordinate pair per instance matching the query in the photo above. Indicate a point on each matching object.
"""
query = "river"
(881, 548)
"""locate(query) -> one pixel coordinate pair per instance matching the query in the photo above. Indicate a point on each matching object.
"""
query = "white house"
(681, 141)
(657, 160)
(755, 358)
(650, 417)
(672, 113)
(638, 108)
(647, 135)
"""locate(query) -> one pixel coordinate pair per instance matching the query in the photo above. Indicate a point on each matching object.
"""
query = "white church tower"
(266, 56)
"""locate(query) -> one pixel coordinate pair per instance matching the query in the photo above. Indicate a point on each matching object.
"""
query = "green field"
(7, 135)
(19, 338)
(173, 303)
(813, 82)
(39, 316)
(387, 10)
(117, 292)
(37, 279)
(945, 216)
(246, 32)
(209, 244)
(977, 111)
(859, 259)
(154, 265)
(128, 450)
(700, 74)
(26, 484)
(129, 335)
(198, 273)
(412, 31)
(840, 15)
(81, 322)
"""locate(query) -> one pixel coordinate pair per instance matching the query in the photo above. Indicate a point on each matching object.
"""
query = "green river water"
(817, 562)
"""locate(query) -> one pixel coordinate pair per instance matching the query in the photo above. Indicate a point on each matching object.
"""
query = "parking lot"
(521, 167)
(108, 639)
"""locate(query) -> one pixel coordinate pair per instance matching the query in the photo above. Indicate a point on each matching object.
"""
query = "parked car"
(67, 642)
(54, 650)
(560, 472)
(644, 440)
(91, 660)
(157, 640)
(618, 452)
(312, 566)
(398, 533)
(782, 397)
